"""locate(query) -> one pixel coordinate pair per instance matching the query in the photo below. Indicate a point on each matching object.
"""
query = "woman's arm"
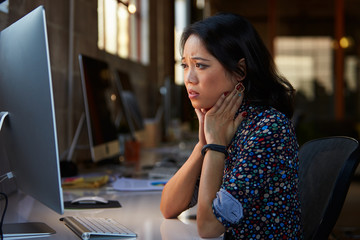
(219, 127)
(210, 182)
(178, 192)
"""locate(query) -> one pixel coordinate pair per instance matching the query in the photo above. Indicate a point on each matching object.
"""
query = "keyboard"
(87, 227)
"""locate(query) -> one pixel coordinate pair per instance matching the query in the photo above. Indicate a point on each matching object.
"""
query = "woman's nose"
(190, 77)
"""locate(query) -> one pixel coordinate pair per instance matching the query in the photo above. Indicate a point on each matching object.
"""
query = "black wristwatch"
(214, 147)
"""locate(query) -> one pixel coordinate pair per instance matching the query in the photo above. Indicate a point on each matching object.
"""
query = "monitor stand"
(26, 230)
(2, 118)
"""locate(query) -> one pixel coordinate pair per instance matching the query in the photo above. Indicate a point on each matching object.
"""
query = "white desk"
(139, 212)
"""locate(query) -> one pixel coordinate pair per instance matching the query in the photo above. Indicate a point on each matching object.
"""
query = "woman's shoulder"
(265, 124)
(260, 115)
(264, 121)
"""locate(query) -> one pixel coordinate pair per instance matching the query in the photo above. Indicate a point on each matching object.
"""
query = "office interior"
(315, 44)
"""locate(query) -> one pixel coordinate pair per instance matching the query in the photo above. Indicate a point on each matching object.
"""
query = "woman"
(243, 172)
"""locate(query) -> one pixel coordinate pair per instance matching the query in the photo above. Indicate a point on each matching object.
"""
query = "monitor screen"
(129, 103)
(29, 129)
(100, 98)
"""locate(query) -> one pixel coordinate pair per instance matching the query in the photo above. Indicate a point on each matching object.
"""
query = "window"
(123, 29)
(306, 61)
(181, 21)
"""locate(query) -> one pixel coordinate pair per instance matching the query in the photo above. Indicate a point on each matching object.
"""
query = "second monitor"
(110, 105)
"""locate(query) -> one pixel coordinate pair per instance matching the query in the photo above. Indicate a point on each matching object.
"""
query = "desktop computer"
(101, 104)
(111, 108)
(28, 130)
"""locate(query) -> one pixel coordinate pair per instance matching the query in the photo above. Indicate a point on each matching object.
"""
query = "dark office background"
(326, 113)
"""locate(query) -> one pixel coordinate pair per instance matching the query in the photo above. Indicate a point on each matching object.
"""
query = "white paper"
(132, 184)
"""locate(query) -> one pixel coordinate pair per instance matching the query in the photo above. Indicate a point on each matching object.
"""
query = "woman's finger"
(236, 101)
(218, 104)
(230, 103)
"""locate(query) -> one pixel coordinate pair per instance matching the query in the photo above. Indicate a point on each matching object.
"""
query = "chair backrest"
(326, 168)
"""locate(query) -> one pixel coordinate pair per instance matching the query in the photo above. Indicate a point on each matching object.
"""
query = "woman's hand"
(220, 123)
(201, 117)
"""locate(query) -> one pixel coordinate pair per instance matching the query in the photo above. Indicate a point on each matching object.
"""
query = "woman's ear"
(242, 68)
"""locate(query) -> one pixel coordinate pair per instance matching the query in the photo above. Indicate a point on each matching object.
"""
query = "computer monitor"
(129, 103)
(101, 104)
(29, 129)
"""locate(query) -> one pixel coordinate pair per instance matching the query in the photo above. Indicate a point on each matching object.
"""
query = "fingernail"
(244, 114)
(226, 93)
(240, 87)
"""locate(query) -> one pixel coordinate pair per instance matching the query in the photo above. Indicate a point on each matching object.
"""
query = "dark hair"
(229, 38)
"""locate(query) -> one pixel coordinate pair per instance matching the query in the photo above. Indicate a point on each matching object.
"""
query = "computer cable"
(3, 214)
(3, 177)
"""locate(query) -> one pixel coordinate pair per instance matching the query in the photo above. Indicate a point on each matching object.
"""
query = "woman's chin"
(201, 106)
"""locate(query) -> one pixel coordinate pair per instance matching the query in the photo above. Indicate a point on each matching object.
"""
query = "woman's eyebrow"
(200, 58)
(197, 58)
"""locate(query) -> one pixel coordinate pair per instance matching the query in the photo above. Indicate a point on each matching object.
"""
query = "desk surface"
(139, 212)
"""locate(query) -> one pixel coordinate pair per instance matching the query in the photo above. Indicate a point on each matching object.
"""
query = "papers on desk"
(131, 184)
(85, 182)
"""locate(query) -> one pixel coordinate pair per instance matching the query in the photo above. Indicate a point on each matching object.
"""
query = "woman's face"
(205, 78)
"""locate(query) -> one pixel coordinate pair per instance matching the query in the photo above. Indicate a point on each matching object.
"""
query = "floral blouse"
(261, 173)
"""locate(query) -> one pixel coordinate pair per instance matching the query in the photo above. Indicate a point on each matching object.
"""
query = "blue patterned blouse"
(261, 172)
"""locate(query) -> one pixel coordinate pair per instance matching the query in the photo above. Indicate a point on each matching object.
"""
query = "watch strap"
(214, 147)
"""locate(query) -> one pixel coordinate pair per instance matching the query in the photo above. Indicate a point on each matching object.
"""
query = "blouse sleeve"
(260, 159)
(195, 195)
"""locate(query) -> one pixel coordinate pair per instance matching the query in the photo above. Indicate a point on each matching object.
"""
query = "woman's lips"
(192, 94)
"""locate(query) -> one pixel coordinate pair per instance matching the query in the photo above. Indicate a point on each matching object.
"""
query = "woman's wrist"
(198, 147)
(214, 147)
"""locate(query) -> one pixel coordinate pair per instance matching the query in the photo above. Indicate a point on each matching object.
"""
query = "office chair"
(326, 168)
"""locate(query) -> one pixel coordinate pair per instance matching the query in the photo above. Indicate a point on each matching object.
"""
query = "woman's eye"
(200, 66)
(183, 65)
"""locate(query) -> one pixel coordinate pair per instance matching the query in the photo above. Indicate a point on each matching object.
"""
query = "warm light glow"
(345, 42)
(132, 8)
(110, 26)
(113, 97)
(101, 30)
(123, 32)
(181, 21)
